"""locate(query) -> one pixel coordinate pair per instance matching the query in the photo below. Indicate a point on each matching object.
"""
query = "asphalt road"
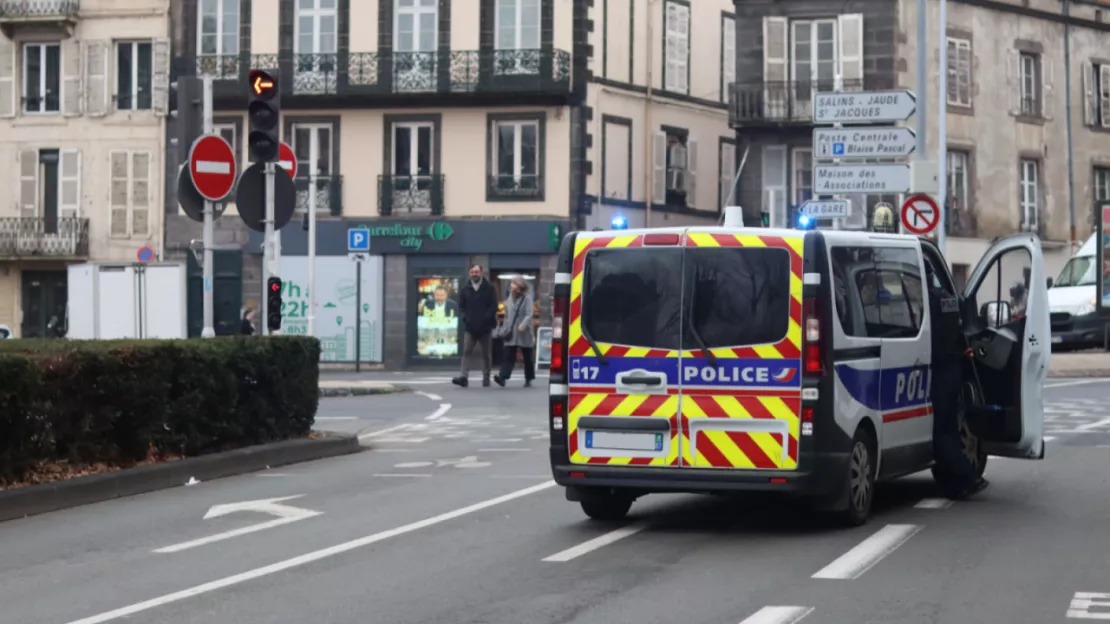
(451, 517)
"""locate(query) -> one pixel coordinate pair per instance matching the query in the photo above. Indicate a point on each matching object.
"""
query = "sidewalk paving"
(355, 387)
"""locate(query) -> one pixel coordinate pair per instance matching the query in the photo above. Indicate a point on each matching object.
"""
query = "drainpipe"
(649, 164)
(1067, 120)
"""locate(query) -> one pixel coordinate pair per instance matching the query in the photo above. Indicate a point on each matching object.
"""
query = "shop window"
(437, 317)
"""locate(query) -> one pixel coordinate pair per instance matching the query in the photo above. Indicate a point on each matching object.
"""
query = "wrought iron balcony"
(57, 14)
(410, 195)
(539, 72)
(38, 237)
(777, 103)
(518, 188)
(324, 194)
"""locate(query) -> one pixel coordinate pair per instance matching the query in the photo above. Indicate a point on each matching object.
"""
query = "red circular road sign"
(145, 254)
(920, 214)
(212, 167)
(287, 160)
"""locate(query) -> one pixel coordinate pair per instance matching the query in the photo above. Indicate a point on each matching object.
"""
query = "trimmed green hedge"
(119, 401)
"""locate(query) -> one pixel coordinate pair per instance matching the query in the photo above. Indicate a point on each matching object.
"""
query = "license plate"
(613, 441)
(1057, 339)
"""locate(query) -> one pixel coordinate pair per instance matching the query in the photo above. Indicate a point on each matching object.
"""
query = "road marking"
(429, 395)
(866, 554)
(500, 440)
(273, 474)
(388, 450)
(1049, 439)
(504, 450)
(286, 514)
(1094, 425)
(397, 474)
(336, 418)
(419, 464)
(1081, 603)
(778, 615)
(1079, 382)
(380, 432)
(436, 415)
(934, 503)
(596, 543)
(307, 558)
(212, 166)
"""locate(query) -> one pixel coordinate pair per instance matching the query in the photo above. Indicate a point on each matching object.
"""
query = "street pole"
(209, 330)
(942, 130)
(922, 85)
(268, 240)
(358, 316)
(312, 254)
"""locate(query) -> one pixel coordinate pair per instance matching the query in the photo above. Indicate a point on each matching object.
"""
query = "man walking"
(478, 305)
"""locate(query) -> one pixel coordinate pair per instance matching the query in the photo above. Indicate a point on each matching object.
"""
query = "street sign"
(870, 179)
(358, 240)
(146, 254)
(191, 201)
(283, 514)
(287, 159)
(827, 208)
(250, 198)
(878, 142)
(920, 215)
(863, 107)
(212, 167)
(358, 256)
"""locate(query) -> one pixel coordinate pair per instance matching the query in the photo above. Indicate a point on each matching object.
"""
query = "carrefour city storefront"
(386, 309)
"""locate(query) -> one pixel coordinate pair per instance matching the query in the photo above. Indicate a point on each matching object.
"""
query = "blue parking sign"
(838, 149)
(358, 239)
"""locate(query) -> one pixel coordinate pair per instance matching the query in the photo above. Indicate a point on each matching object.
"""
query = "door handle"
(641, 381)
(644, 381)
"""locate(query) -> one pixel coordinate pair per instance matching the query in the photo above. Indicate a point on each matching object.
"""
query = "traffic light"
(185, 110)
(264, 116)
(273, 304)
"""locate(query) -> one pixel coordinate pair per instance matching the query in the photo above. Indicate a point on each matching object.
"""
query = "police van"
(722, 359)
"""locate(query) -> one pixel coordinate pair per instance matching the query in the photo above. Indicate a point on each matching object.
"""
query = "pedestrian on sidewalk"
(517, 333)
(478, 305)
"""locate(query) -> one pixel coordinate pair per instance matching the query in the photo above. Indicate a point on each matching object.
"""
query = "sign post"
(1102, 233)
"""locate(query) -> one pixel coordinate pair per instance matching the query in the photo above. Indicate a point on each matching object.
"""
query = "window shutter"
(659, 168)
(119, 191)
(7, 78)
(160, 76)
(728, 56)
(1091, 99)
(775, 55)
(1100, 99)
(96, 77)
(965, 62)
(851, 50)
(953, 53)
(728, 172)
(140, 193)
(69, 182)
(71, 78)
(691, 173)
(774, 183)
(677, 26)
(1048, 95)
(28, 183)
(1013, 80)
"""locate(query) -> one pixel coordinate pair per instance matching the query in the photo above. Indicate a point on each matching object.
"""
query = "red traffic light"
(275, 286)
(262, 83)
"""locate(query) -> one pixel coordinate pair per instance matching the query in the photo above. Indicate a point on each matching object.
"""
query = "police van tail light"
(558, 361)
(811, 354)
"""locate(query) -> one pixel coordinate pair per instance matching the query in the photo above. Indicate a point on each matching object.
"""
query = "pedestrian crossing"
(1076, 416)
(471, 427)
(439, 380)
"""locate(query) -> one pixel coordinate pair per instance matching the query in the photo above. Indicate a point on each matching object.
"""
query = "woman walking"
(516, 330)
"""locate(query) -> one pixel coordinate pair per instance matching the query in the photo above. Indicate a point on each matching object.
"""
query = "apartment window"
(518, 24)
(676, 43)
(1096, 90)
(42, 77)
(728, 54)
(1029, 193)
(959, 72)
(218, 33)
(804, 56)
(814, 51)
(50, 185)
(315, 45)
(1101, 184)
(130, 192)
(957, 185)
(675, 158)
(229, 134)
(1029, 72)
(312, 146)
(774, 182)
(516, 152)
(133, 76)
(801, 168)
(727, 160)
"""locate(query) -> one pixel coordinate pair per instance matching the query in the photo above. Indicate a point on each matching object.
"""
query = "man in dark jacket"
(478, 304)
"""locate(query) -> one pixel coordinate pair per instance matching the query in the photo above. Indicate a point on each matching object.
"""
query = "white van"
(722, 359)
(1071, 302)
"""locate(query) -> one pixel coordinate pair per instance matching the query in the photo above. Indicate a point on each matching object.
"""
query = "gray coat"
(519, 311)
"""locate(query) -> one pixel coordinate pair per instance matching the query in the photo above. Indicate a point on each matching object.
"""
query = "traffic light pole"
(209, 331)
(268, 241)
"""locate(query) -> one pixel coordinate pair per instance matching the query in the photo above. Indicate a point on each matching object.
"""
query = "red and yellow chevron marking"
(725, 447)
(632, 405)
(789, 347)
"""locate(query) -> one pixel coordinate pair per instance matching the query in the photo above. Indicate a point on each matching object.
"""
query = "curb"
(1082, 372)
(39, 499)
(342, 391)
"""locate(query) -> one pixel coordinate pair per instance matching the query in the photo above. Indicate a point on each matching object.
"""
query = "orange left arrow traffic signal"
(262, 83)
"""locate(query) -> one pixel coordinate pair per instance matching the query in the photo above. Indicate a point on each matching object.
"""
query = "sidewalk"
(355, 387)
(1081, 364)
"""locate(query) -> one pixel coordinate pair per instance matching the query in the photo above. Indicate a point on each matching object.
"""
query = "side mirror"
(1050, 282)
(995, 313)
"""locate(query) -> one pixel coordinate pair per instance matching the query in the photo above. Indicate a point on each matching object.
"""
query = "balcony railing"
(775, 103)
(28, 10)
(514, 187)
(410, 195)
(408, 73)
(37, 237)
(324, 194)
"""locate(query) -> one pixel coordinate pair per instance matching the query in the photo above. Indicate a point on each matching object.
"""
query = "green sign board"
(410, 235)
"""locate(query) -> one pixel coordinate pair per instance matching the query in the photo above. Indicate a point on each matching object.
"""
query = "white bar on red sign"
(211, 166)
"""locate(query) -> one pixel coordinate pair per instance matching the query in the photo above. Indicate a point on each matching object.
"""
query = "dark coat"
(479, 307)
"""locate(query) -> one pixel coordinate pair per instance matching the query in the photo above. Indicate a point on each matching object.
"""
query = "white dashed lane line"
(596, 543)
(852, 564)
(778, 615)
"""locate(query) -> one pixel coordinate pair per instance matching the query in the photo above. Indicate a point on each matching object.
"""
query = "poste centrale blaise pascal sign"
(411, 235)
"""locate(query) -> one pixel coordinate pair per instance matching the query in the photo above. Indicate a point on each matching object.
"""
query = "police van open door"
(1006, 321)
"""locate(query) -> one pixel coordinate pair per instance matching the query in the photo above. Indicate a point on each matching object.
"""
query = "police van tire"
(860, 481)
(606, 505)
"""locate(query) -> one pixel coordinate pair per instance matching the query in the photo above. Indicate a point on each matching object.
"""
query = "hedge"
(117, 402)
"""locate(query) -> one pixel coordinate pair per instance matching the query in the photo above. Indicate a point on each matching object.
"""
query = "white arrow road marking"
(286, 514)
(436, 415)
(212, 166)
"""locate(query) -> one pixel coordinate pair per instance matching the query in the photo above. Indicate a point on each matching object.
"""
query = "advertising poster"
(335, 305)
(437, 317)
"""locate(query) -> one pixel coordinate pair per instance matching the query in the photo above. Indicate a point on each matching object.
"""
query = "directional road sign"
(212, 167)
(286, 159)
(358, 240)
(920, 215)
(827, 208)
(860, 142)
(863, 108)
(873, 178)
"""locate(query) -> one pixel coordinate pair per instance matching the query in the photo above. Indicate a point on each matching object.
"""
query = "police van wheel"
(606, 505)
(860, 488)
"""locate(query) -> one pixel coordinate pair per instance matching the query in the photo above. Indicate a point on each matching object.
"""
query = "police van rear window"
(741, 295)
(633, 297)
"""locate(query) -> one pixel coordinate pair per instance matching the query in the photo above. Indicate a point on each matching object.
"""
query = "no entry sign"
(287, 160)
(212, 167)
(920, 215)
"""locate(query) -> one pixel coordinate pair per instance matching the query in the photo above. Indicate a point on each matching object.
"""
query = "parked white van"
(1071, 302)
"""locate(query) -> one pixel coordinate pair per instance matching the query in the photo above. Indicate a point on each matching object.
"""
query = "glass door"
(416, 30)
(315, 51)
(312, 148)
(413, 177)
